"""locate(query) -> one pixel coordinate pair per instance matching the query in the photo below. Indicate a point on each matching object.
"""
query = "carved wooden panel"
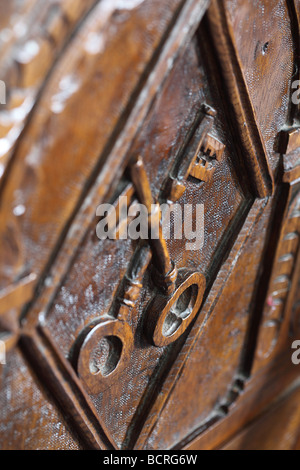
(184, 108)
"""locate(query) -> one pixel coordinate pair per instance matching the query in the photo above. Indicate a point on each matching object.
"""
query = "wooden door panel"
(71, 315)
(149, 344)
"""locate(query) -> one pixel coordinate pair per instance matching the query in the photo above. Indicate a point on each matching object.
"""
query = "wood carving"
(208, 156)
(104, 349)
(124, 343)
(104, 355)
(289, 137)
(200, 147)
(169, 318)
(281, 281)
(165, 266)
(249, 133)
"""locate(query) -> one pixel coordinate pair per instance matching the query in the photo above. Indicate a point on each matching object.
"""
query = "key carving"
(208, 156)
(199, 156)
(166, 269)
(104, 349)
(167, 318)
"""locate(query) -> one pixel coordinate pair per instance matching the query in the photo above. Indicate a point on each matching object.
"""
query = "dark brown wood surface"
(186, 102)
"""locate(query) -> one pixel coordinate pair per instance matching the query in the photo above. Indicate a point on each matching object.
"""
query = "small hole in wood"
(265, 48)
(106, 356)
(180, 311)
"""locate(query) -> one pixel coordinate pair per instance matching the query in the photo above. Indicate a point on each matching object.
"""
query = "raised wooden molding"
(254, 148)
(18, 294)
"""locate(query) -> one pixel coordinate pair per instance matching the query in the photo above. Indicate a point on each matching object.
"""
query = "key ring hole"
(180, 311)
(105, 357)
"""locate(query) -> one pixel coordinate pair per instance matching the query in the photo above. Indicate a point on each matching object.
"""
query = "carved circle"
(169, 317)
(104, 354)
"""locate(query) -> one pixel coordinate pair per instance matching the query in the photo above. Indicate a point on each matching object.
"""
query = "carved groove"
(279, 288)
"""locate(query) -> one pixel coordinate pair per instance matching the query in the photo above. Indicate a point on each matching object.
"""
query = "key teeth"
(173, 190)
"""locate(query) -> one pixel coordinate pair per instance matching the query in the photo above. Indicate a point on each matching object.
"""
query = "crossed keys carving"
(104, 349)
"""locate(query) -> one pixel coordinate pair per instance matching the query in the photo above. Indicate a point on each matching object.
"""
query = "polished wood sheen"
(161, 343)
